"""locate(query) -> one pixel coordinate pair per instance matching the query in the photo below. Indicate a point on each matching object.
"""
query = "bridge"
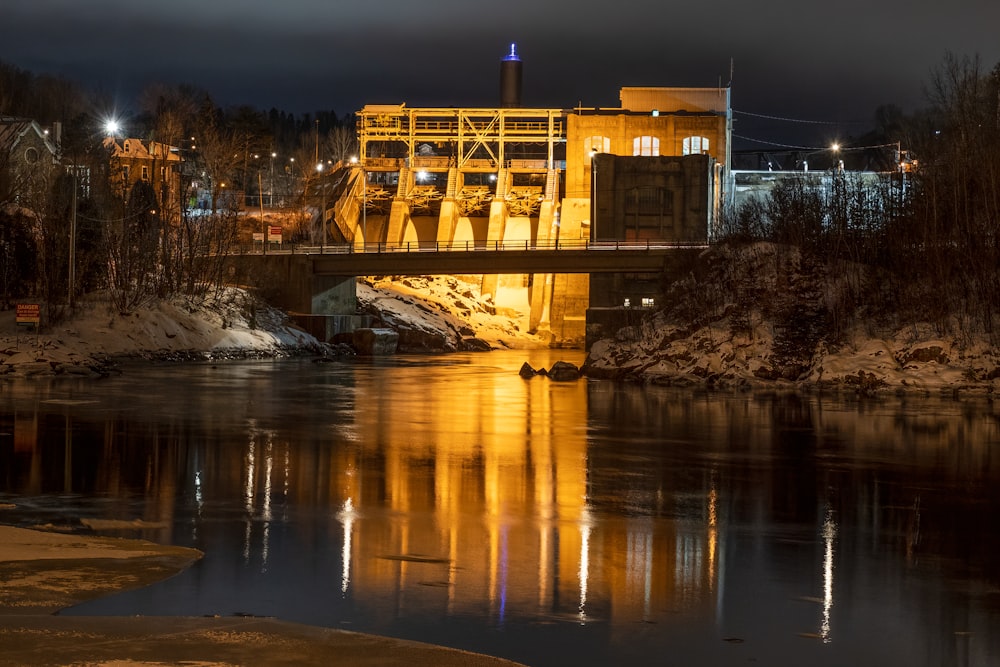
(318, 282)
(493, 257)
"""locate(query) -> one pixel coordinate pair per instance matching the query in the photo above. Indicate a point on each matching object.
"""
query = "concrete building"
(656, 169)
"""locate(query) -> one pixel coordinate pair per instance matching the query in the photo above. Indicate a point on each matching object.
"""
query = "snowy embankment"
(755, 318)
(431, 314)
(228, 324)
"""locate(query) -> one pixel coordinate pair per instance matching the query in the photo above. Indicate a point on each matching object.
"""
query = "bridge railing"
(474, 246)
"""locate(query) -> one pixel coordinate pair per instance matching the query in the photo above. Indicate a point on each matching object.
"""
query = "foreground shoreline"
(44, 572)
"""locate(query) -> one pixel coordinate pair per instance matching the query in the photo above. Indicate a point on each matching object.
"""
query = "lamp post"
(593, 194)
(71, 279)
(322, 210)
(270, 183)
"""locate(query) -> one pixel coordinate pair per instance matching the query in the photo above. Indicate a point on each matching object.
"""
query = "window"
(648, 200)
(31, 155)
(596, 144)
(648, 302)
(695, 145)
(145, 173)
(646, 145)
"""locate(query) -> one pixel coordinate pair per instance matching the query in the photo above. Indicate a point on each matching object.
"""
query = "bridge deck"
(493, 257)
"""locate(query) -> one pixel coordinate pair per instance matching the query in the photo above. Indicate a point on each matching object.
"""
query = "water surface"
(446, 499)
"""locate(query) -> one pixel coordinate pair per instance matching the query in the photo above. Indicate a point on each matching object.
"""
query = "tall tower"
(510, 79)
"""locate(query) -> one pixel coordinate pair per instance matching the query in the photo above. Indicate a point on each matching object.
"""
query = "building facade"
(133, 161)
(654, 169)
(29, 161)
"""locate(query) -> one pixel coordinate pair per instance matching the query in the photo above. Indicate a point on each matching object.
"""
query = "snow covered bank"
(431, 314)
(755, 318)
(226, 324)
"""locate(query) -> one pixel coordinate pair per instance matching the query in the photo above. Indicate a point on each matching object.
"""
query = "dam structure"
(653, 169)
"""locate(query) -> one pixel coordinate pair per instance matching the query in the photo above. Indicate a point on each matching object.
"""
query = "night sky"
(829, 63)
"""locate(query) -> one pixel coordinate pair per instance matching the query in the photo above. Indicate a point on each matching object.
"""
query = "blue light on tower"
(510, 79)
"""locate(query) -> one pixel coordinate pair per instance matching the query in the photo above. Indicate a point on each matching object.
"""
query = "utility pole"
(72, 246)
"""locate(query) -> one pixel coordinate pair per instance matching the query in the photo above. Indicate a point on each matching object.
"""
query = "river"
(446, 499)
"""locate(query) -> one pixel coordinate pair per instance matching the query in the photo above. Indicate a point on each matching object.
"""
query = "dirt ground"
(44, 572)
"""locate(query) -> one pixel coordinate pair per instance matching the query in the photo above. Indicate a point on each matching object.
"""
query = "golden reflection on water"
(484, 494)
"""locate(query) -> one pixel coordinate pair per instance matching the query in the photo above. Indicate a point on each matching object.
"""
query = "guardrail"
(471, 246)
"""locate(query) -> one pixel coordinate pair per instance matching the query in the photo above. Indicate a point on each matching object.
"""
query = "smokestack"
(510, 79)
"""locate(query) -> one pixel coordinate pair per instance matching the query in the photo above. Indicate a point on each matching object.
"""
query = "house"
(158, 164)
(29, 161)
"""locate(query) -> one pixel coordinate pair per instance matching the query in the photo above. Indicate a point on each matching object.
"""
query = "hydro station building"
(652, 172)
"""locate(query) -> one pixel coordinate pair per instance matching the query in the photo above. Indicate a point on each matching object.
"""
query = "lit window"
(648, 302)
(596, 144)
(695, 145)
(628, 302)
(646, 145)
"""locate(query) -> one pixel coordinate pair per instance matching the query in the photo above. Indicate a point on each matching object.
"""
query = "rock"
(473, 344)
(527, 371)
(376, 342)
(563, 371)
(923, 354)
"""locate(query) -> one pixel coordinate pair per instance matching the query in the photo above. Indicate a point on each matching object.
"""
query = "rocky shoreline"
(712, 357)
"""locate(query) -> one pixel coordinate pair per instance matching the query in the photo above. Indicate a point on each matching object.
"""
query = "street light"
(593, 194)
(270, 185)
(322, 210)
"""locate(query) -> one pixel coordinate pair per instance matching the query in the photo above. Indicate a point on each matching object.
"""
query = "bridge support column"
(498, 225)
(447, 221)
(398, 216)
(333, 307)
(540, 296)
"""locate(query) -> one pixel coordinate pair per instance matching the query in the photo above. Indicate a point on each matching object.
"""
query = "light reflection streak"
(584, 563)
(829, 534)
(713, 535)
(543, 565)
(248, 498)
(504, 561)
(266, 509)
(347, 516)
(288, 483)
(199, 501)
(639, 564)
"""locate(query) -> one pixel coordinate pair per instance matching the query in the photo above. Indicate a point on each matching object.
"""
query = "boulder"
(473, 344)
(563, 371)
(376, 342)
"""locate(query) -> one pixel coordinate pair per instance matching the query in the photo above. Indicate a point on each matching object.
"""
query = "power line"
(840, 148)
(800, 120)
(774, 143)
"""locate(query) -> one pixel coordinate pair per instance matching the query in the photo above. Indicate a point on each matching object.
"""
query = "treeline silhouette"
(921, 244)
(140, 245)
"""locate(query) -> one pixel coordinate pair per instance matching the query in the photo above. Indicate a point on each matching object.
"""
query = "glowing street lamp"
(322, 209)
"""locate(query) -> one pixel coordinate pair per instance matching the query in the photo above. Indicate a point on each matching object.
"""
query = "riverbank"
(43, 572)
(431, 314)
(87, 342)
(758, 317)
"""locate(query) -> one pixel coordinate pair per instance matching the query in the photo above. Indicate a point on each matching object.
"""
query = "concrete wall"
(654, 198)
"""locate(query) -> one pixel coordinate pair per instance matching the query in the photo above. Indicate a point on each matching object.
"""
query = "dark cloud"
(829, 61)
